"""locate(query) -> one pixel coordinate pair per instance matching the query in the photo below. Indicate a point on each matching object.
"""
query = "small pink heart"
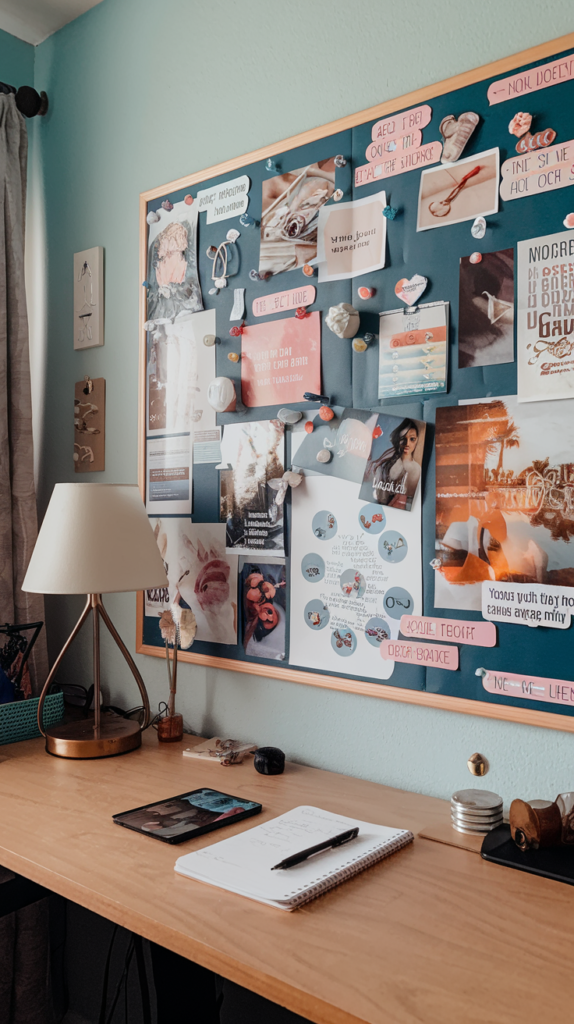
(411, 291)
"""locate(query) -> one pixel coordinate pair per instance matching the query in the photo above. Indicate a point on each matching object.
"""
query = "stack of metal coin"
(475, 811)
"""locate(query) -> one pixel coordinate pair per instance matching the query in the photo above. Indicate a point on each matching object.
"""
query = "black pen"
(329, 844)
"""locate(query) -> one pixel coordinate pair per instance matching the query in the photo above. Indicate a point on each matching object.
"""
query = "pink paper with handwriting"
(410, 653)
(280, 359)
(400, 124)
(526, 82)
(454, 631)
(280, 302)
(552, 691)
(398, 163)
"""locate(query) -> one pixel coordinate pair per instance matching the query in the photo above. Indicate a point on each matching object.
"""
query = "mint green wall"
(16, 61)
(143, 92)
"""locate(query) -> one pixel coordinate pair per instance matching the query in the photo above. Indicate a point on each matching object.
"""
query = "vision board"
(412, 267)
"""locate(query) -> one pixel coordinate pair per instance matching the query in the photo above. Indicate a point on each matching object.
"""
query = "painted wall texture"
(141, 93)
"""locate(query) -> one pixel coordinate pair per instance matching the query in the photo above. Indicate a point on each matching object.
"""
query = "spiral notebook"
(242, 864)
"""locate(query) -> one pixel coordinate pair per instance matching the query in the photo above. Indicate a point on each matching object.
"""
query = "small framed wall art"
(89, 298)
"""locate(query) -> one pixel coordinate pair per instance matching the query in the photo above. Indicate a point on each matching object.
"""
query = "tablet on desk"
(187, 815)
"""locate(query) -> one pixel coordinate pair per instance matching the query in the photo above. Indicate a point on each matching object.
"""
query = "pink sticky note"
(398, 162)
(455, 631)
(280, 360)
(429, 655)
(377, 150)
(553, 691)
(525, 82)
(281, 302)
(400, 124)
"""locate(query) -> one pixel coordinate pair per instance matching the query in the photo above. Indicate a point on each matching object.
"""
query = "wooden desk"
(433, 935)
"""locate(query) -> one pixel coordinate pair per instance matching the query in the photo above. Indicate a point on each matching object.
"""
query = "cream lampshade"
(95, 539)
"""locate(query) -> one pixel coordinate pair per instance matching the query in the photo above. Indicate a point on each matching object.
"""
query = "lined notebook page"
(242, 863)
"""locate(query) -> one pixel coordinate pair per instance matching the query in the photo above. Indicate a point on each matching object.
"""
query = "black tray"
(556, 862)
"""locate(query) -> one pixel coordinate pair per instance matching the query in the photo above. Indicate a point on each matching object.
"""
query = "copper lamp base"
(83, 740)
(97, 736)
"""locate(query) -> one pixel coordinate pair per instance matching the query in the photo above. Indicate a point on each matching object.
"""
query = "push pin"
(478, 765)
(301, 313)
(324, 455)
(338, 194)
(340, 161)
(233, 357)
(475, 257)
(209, 340)
(152, 217)
(145, 284)
(188, 200)
(366, 293)
(236, 332)
(248, 222)
(308, 270)
(166, 205)
(478, 229)
(368, 338)
(389, 212)
(309, 427)
(270, 165)
(359, 345)
(326, 413)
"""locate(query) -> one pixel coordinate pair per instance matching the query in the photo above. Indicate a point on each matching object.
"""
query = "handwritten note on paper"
(511, 684)
(525, 82)
(433, 655)
(390, 128)
(229, 199)
(541, 171)
(529, 604)
(398, 162)
(476, 634)
(281, 302)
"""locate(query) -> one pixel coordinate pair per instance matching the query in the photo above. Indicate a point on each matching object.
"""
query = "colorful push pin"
(209, 340)
(233, 357)
(478, 229)
(166, 205)
(568, 221)
(236, 332)
(326, 413)
(233, 234)
(145, 284)
(324, 455)
(475, 257)
(339, 161)
(389, 212)
(309, 396)
(188, 200)
(308, 270)
(309, 427)
(338, 194)
(366, 293)
(248, 222)
(152, 217)
(359, 345)
(270, 165)
(301, 313)
(254, 275)
(211, 252)
(368, 338)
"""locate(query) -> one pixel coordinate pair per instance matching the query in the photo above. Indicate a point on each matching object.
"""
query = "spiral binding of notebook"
(243, 864)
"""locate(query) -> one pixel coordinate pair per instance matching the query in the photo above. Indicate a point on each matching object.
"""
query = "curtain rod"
(29, 102)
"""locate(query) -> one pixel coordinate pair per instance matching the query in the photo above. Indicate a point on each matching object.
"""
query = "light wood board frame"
(483, 709)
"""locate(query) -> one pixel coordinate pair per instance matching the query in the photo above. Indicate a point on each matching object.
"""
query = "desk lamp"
(95, 539)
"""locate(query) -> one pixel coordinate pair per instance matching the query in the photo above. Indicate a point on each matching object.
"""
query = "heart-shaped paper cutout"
(411, 291)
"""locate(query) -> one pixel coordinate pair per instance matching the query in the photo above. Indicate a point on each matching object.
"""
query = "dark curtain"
(24, 947)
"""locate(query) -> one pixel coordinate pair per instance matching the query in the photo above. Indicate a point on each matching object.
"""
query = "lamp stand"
(94, 737)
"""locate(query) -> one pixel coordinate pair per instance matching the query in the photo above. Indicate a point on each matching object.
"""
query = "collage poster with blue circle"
(350, 561)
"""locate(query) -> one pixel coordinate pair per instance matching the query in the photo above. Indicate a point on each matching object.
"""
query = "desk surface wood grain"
(433, 935)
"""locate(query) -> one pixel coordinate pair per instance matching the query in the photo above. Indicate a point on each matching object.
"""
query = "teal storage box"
(18, 721)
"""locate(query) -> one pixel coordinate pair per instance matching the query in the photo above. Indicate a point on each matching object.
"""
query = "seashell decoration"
(166, 205)
(520, 124)
(343, 320)
(289, 416)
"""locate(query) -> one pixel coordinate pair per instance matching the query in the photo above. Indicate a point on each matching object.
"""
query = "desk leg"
(185, 991)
